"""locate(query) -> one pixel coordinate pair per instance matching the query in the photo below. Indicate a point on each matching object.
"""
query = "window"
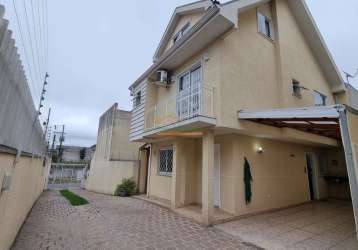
(165, 162)
(181, 32)
(265, 25)
(138, 99)
(296, 88)
(319, 99)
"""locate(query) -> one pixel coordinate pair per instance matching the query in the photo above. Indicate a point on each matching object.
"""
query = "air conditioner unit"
(162, 77)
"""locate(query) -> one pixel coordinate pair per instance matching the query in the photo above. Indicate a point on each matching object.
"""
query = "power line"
(24, 48)
(36, 40)
(45, 18)
(40, 25)
(31, 44)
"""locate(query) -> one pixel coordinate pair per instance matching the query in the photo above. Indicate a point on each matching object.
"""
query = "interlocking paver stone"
(114, 223)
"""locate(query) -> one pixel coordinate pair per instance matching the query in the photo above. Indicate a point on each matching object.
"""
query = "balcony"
(192, 106)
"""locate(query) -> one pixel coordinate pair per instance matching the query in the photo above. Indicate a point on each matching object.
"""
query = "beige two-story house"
(244, 79)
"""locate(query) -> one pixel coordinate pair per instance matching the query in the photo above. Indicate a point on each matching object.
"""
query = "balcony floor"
(188, 125)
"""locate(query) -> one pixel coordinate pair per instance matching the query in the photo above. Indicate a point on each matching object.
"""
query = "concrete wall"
(115, 157)
(29, 178)
(19, 126)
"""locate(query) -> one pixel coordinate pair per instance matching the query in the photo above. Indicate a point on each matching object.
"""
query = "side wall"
(104, 176)
(115, 157)
(279, 174)
(28, 181)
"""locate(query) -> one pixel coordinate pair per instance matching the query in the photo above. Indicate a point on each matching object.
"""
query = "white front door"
(217, 200)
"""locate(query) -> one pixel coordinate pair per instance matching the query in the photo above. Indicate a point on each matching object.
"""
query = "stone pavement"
(318, 225)
(114, 223)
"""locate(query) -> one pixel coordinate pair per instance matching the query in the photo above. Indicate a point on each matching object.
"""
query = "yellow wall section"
(28, 180)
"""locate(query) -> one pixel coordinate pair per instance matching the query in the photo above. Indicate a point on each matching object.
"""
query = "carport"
(338, 122)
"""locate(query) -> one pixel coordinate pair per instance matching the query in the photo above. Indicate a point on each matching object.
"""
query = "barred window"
(165, 162)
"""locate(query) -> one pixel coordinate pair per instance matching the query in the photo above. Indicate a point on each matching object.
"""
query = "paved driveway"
(114, 223)
(319, 225)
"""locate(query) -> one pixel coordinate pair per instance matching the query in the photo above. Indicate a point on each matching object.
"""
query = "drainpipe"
(351, 168)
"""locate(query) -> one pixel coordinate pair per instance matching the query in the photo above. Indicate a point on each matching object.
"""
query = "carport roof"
(323, 120)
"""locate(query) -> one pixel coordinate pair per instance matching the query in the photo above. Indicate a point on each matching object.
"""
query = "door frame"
(217, 148)
(314, 166)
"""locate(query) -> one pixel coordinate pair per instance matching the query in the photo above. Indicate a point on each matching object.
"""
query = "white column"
(208, 176)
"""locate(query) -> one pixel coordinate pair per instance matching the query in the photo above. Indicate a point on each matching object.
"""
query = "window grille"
(165, 164)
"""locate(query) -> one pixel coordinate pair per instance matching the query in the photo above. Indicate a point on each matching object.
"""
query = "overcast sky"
(97, 48)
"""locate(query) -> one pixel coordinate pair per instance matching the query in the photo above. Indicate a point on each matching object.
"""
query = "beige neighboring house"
(115, 157)
(247, 78)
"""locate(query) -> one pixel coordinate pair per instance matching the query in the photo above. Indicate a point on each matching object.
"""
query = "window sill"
(267, 37)
(297, 95)
(165, 174)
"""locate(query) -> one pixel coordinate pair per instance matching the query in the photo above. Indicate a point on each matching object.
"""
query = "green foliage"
(75, 200)
(127, 188)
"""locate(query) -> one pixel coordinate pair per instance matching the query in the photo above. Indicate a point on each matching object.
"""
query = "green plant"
(127, 188)
(75, 200)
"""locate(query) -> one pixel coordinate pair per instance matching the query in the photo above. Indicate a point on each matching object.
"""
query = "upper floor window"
(165, 162)
(319, 99)
(296, 88)
(181, 33)
(265, 25)
(138, 99)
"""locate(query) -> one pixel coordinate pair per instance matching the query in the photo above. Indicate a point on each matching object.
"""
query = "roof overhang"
(228, 13)
(196, 7)
(323, 121)
(205, 31)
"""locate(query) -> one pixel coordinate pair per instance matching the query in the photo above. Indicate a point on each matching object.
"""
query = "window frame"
(166, 173)
(138, 99)
(181, 33)
(268, 26)
(296, 88)
(322, 96)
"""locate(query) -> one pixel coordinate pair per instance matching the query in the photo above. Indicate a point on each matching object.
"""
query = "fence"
(19, 125)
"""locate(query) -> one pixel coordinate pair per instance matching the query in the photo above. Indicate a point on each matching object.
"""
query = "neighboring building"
(115, 157)
(193, 107)
(73, 153)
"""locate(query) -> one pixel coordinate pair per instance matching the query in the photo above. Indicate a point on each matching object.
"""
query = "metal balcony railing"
(187, 104)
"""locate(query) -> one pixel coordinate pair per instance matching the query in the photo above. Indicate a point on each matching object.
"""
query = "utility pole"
(62, 139)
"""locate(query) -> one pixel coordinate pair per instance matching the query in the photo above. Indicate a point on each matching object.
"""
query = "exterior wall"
(106, 175)
(159, 186)
(115, 157)
(137, 122)
(28, 181)
(279, 177)
(298, 61)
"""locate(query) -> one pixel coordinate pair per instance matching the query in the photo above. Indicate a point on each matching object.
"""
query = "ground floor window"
(165, 162)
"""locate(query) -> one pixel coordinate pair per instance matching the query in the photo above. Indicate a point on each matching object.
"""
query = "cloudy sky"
(97, 48)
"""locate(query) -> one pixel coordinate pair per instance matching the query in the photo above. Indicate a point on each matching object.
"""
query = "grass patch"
(75, 200)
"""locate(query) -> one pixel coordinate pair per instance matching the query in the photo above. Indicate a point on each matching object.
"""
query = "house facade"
(214, 63)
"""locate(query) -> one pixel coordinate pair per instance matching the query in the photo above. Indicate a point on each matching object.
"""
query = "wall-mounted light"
(259, 149)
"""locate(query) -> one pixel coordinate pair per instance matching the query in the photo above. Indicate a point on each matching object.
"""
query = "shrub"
(127, 188)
